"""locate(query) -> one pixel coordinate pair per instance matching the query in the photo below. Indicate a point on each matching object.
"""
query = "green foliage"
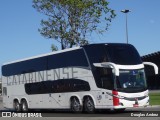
(54, 48)
(70, 21)
(154, 98)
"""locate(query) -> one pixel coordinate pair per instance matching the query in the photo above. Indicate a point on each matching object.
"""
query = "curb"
(154, 106)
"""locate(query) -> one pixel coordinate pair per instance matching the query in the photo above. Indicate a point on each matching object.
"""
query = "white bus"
(96, 76)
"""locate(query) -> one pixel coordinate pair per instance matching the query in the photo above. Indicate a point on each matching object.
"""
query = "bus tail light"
(115, 98)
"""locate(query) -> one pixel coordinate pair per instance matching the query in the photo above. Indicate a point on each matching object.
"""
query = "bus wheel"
(24, 106)
(89, 105)
(75, 105)
(17, 106)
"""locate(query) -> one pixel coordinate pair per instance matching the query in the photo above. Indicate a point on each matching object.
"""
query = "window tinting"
(104, 78)
(61, 60)
(123, 54)
(96, 53)
(67, 59)
(27, 66)
(57, 86)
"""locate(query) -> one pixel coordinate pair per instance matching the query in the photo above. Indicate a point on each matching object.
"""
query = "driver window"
(106, 78)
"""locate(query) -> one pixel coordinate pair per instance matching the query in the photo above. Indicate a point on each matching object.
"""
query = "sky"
(19, 23)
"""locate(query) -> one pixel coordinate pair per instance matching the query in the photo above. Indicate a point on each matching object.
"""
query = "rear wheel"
(16, 106)
(24, 106)
(75, 105)
(89, 105)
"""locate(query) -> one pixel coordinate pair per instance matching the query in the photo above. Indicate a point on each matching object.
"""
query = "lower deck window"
(57, 86)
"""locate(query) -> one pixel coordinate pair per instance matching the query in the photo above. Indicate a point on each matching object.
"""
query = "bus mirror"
(97, 64)
(102, 65)
(153, 65)
(108, 65)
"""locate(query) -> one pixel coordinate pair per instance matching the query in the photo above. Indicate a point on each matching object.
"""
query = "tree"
(70, 21)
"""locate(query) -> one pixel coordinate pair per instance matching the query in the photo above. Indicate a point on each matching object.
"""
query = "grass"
(154, 98)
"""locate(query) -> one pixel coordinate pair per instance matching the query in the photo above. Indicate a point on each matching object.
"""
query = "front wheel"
(89, 105)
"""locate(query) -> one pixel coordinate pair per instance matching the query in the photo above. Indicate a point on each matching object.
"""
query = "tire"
(16, 106)
(75, 105)
(24, 106)
(89, 106)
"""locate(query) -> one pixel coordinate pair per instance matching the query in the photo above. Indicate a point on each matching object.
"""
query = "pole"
(126, 11)
(126, 29)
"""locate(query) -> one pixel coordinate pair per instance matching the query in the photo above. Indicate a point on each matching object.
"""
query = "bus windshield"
(131, 80)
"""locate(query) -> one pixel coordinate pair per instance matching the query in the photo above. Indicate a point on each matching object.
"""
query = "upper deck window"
(123, 54)
(74, 58)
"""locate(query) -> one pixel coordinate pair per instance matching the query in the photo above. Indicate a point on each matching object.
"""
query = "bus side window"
(106, 77)
(107, 83)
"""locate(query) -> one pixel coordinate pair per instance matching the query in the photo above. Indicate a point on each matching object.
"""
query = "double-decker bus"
(95, 76)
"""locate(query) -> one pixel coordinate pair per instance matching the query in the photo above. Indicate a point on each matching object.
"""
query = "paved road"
(127, 115)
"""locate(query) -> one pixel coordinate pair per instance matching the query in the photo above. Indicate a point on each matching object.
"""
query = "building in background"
(153, 80)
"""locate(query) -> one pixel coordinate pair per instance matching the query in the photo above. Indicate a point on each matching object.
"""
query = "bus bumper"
(128, 104)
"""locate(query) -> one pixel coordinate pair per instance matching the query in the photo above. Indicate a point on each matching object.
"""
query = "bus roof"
(61, 51)
(43, 55)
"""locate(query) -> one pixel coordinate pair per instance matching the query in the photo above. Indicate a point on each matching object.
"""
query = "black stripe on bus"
(57, 86)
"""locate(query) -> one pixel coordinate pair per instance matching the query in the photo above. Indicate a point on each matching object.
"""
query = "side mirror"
(153, 65)
(108, 65)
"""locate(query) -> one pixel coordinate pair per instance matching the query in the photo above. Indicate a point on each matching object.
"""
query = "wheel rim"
(24, 106)
(17, 106)
(90, 105)
(76, 105)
